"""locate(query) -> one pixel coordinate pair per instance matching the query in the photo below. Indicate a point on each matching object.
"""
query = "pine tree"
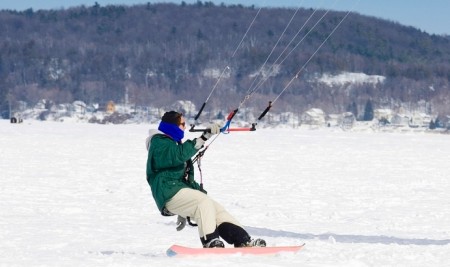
(438, 123)
(368, 111)
(432, 125)
(352, 108)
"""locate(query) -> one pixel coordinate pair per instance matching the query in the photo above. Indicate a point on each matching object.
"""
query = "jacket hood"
(151, 133)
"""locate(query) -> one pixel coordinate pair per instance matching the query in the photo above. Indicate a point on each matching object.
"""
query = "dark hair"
(172, 117)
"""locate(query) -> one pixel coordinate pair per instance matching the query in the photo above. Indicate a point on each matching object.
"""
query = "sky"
(430, 16)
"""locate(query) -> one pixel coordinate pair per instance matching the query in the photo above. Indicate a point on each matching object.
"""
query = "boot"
(214, 243)
(252, 243)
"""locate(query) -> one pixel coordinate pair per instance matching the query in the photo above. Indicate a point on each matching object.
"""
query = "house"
(400, 120)
(79, 107)
(347, 120)
(43, 104)
(381, 114)
(313, 116)
(419, 120)
(333, 120)
(110, 107)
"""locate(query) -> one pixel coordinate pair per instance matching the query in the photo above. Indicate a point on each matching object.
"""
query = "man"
(170, 174)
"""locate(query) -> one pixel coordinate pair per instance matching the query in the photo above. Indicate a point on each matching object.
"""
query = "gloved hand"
(181, 223)
(212, 129)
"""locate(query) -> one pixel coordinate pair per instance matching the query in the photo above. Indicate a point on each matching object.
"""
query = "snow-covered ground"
(347, 78)
(75, 194)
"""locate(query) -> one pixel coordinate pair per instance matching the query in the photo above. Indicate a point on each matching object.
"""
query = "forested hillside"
(159, 53)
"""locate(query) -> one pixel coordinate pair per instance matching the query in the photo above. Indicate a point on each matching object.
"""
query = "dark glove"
(181, 223)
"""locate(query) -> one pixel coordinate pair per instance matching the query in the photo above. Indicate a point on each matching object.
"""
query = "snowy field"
(76, 195)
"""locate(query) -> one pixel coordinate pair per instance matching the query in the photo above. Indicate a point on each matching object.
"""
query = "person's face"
(182, 124)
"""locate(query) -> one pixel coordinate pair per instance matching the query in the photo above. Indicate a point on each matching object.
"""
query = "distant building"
(313, 116)
(400, 120)
(110, 107)
(333, 120)
(347, 120)
(419, 120)
(380, 114)
(42, 104)
(79, 107)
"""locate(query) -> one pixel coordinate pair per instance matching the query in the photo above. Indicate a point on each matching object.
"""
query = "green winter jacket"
(166, 165)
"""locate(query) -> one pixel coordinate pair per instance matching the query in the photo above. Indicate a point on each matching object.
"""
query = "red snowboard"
(177, 250)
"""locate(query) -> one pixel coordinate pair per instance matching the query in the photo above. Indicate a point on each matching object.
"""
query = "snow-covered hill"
(346, 78)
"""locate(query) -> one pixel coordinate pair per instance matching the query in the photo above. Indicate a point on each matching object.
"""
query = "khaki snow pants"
(207, 213)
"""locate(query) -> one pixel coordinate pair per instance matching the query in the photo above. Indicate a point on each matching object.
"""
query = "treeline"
(159, 53)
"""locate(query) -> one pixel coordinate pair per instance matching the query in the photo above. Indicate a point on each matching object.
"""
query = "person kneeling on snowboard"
(170, 174)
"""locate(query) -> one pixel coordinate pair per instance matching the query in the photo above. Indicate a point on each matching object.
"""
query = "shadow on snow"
(348, 238)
